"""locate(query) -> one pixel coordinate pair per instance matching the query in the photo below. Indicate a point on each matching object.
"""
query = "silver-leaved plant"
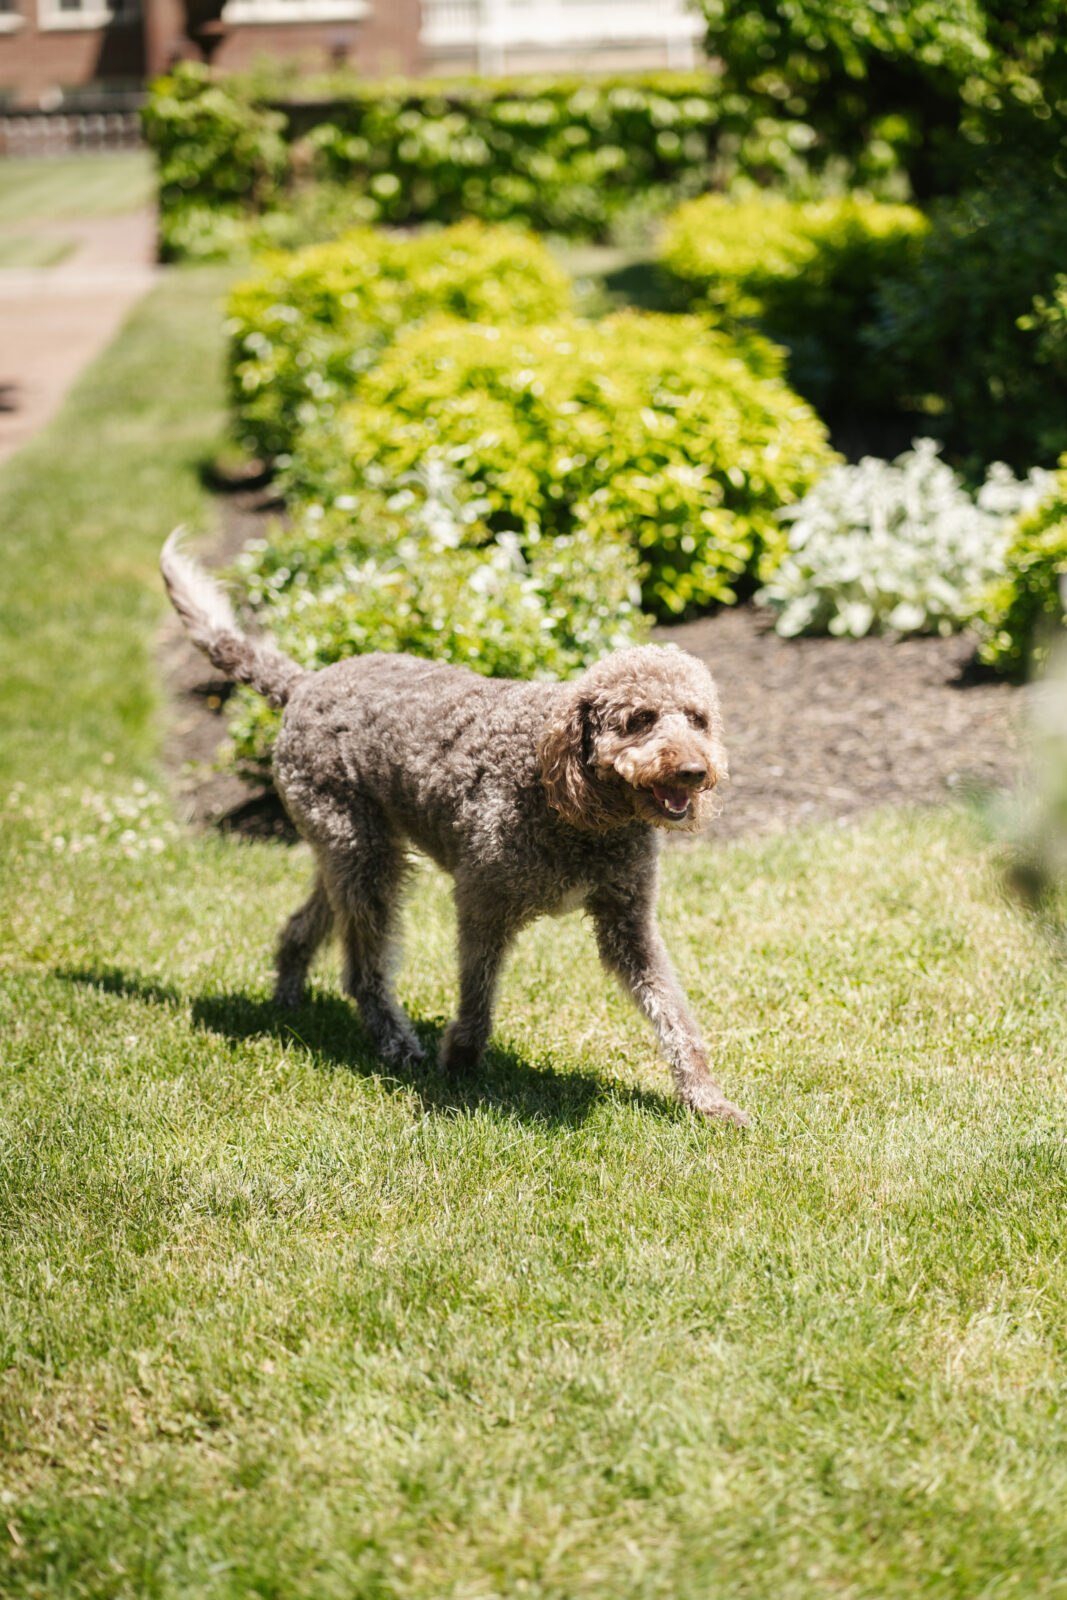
(897, 547)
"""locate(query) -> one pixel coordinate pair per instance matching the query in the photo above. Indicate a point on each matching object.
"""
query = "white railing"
(59, 133)
(492, 28)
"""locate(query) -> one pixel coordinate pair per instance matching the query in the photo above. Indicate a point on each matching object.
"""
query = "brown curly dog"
(537, 798)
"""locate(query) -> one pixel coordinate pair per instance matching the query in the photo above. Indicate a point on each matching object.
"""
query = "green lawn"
(31, 250)
(61, 188)
(278, 1323)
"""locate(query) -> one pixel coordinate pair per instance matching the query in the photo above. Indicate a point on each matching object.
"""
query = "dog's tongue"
(672, 799)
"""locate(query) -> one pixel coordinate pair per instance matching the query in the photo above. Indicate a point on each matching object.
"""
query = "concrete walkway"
(54, 320)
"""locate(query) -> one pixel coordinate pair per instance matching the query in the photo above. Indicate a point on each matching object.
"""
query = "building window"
(57, 15)
(263, 11)
(10, 16)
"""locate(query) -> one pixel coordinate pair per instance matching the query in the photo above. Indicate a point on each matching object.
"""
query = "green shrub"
(957, 334)
(946, 88)
(643, 428)
(195, 231)
(806, 273)
(1047, 318)
(1025, 608)
(307, 324)
(216, 153)
(418, 570)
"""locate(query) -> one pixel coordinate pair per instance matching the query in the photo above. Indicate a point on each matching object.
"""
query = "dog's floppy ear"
(565, 751)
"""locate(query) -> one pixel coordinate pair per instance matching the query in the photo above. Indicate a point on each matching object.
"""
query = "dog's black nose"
(691, 774)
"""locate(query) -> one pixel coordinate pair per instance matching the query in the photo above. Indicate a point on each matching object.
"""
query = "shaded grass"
(64, 188)
(276, 1322)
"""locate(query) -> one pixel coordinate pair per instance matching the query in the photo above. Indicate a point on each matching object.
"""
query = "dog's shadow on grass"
(328, 1029)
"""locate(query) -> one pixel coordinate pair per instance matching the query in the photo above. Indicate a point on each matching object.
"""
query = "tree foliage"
(948, 84)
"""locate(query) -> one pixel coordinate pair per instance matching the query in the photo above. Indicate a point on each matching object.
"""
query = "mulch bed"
(816, 729)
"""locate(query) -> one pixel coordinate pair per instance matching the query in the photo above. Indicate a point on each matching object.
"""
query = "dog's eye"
(698, 719)
(640, 719)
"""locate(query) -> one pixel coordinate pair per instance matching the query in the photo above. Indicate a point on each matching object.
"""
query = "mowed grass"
(278, 1323)
(31, 250)
(63, 188)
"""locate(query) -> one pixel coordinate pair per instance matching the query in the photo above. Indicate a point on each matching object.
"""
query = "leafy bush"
(1025, 608)
(217, 154)
(1047, 319)
(307, 324)
(642, 428)
(945, 87)
(898, 546)
(195, 231)
(806, 273)
(419, 570)
(968, 332)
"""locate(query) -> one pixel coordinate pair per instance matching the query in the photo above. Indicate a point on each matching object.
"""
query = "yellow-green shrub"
(652, 430)
(307, 324)
(805, 273)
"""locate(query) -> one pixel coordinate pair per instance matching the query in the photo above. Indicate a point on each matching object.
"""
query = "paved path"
(54, 320)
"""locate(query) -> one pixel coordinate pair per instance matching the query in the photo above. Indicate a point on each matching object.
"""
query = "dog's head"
(637, 736)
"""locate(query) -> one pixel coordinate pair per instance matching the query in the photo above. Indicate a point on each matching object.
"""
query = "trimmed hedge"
(648, 429)
(568, 155)
(807, 274)
(307, 324)
(560, 154)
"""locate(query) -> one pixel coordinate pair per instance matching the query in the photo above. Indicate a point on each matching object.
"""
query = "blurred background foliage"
(851, 229)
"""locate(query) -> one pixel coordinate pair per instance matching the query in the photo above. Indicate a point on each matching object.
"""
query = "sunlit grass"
(278, 1322)
(25, 250)
(62, 188)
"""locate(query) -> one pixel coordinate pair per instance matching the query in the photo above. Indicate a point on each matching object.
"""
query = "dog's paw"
(289, 992)
(457, 1055)
(404, 1050)
(726, 1111)
(710, 1102)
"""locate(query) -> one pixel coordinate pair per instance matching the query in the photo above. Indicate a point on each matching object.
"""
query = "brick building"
(66, 53)
(55, 52)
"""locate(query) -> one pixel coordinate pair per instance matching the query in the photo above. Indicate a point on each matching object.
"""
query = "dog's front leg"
(632, 947)
(485, 935)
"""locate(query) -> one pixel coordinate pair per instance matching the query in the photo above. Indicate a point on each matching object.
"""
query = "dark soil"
(829, 728)
(816, 728)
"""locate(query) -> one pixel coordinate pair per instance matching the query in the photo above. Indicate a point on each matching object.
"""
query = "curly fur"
(538, 798)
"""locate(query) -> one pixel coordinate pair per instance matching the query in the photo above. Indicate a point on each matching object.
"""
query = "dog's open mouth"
(672, 801)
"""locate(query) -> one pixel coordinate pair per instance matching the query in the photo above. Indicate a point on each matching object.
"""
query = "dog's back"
(448, 756)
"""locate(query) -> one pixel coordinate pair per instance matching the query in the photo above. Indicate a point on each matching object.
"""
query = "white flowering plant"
(896, 547)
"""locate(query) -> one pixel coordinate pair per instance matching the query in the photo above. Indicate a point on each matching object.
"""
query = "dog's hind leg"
(364, 881)
(301, 937)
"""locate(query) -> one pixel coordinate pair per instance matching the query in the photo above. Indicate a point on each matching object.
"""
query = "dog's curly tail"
(208, 616)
